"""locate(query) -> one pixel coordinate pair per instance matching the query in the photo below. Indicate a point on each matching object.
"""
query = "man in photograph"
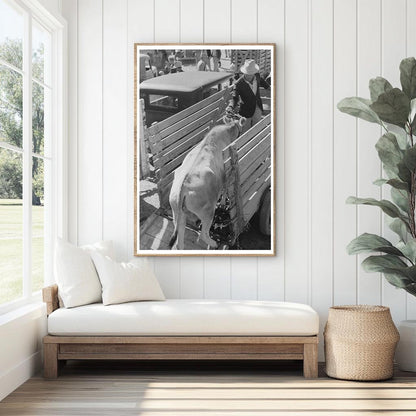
(203, 63)
(246, 94)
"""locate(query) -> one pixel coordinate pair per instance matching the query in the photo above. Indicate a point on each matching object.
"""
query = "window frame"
(57, 226)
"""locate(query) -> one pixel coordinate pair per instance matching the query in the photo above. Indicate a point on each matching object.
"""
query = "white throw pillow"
(126, 282)
(75, 273)
(104, 247)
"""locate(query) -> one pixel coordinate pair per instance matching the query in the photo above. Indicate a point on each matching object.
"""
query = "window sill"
(34, 306)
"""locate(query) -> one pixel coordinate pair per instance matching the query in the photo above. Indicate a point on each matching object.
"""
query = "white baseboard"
(10, 380)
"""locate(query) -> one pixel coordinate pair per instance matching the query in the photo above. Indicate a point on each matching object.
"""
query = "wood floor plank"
(277, 405)
(124, 390)
(122, 412)
(155, 393)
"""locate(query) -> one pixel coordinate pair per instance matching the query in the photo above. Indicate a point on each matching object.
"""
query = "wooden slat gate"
(171, 140)
(263, 58)
(248, 172)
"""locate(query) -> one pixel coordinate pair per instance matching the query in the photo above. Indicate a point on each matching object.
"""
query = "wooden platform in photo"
(157, 230)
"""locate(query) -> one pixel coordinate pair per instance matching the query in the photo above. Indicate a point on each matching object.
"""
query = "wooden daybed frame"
(58, 349)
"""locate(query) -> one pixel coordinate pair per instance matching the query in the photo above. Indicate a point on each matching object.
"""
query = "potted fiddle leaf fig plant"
(394, 109)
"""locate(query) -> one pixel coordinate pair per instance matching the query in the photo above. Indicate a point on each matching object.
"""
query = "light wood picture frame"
(204, 150)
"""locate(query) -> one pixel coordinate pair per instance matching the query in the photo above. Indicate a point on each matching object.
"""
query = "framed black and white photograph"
(204, 149)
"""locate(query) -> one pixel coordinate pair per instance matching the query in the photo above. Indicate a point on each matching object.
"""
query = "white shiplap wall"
(326, 50)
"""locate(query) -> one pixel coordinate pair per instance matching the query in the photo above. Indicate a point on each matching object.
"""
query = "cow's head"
(235, 121)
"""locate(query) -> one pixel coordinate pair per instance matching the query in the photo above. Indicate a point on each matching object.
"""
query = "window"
(31, 62)
(166, 102)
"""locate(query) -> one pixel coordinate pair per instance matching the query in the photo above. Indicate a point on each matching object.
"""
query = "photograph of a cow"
(200, 181)
(204, 150)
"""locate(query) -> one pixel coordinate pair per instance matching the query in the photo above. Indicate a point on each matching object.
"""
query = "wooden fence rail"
(248, 172)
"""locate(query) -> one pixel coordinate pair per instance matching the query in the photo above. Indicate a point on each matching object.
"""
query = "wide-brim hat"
(250, 67)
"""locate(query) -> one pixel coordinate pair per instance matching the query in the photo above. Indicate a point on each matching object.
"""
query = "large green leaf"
(391, 174)
(410, 272)
(409, 158)
(398, 184)
(412, 116)
(392, 107)
(414, 126)
(408, 249)
(411, 289)
(380, 182)
(404, 173)
(395, 183)
(394, 269)
(366, 243)
(400, 228)
(378, 86)
(381, 263)
(388, 207)
(397, 280)
(359, 107)
(408, 77)
(401, 137)
(389, 151)
(401, 199)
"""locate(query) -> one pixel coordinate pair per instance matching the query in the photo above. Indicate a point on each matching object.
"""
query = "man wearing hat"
(246, 93)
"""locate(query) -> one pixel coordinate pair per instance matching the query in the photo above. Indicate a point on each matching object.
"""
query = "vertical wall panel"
(192, 30)
(271, 29)
(393, 51)
(192, 277)
(192, 21)
(217, 278)
(217, 21)
(369, 167)
(90, 183)
(217, 27)
(243, 21)
(167, 26)
(411, 51)
(243, 29)
(168, 274)
(321, 78)
(70, 11)
(296, 152)
(244, 278)
(345, 151)
(115, 60)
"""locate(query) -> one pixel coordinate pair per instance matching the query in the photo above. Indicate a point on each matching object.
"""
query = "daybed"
(181, 329)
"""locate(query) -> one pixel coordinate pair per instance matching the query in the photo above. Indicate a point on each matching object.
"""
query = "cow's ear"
(242, 121)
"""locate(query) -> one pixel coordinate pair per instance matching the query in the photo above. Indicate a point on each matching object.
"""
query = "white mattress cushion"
(187, 317)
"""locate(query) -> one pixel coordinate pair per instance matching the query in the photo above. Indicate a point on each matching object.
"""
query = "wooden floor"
(223, 389)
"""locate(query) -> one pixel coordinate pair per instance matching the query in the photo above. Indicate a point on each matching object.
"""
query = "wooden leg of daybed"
(310, 360)
(50, 360)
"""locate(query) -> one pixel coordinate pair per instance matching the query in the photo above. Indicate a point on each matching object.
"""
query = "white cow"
(200, 180)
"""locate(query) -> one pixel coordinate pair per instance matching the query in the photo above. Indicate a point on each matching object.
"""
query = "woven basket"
(360, 342)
